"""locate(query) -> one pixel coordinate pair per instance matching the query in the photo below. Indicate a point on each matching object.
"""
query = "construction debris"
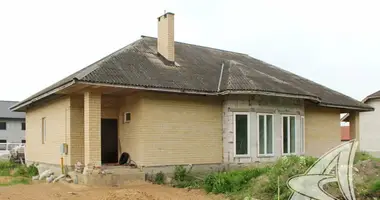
(79, 167)
(58, 178)
(46, 173)
(50, 178)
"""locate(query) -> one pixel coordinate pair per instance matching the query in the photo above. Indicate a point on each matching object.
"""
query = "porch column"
(92, 137)
(354, 127)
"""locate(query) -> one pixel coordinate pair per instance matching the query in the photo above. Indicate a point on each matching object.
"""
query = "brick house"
(368, 125)
(171, 103)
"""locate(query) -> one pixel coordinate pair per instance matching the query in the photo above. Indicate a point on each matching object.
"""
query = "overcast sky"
(334, 43)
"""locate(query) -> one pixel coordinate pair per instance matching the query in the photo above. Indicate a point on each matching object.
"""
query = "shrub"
(7, 165)
(374, 189)
(159, 178)
(32, 170)
(283, 169)
(26, 171)
(233, 181)
(180, 173)
(21, 171)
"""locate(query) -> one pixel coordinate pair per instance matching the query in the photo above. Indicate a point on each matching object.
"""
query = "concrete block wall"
(254, 105)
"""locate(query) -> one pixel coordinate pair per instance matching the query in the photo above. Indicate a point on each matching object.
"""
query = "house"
(171, 103)
(345, 133)
(369, 127)
(12, 125)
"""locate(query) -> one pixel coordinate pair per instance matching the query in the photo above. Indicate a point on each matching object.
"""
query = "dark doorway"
(109, 141)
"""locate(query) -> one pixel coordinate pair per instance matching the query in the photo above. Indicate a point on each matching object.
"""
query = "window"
(302, 135)
(3, 144)
(288, 134)
(241, 134)
(43, 128)
(23, 126)
(23, 141)
(3, 126)
(265, 130)
(127, 117)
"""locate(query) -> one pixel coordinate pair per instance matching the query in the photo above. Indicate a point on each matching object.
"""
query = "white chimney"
(165, 40)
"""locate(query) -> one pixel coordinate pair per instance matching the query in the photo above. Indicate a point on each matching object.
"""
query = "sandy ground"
(66, 191)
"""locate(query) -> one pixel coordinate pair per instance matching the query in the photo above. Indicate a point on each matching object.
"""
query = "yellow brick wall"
(322, 129)
(168, 129)
(56, 113)
(76, 141)
(129, 132)
(92, 136)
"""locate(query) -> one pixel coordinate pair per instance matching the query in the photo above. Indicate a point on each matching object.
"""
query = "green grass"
(362, 156)
(16, 181)
(21, 173)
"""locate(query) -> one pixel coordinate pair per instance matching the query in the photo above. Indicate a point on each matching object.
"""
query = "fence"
(6, 147)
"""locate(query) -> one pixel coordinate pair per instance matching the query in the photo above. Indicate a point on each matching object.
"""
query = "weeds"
(233, 181)
(159, 178)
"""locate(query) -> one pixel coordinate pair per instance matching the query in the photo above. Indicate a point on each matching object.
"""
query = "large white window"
(288, 134)
(265, 137)
(302, 135)
(241, 133)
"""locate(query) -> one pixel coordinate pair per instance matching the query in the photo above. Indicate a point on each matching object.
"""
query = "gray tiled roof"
(5, 112)
(198, 69)
(373, 96)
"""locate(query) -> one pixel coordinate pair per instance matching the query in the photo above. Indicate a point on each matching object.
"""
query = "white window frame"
(302, 135)
(43, 130)
(295, 134)
(248, 134)
(265, 135)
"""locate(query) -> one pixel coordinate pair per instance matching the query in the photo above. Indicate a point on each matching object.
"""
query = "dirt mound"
(129, 194)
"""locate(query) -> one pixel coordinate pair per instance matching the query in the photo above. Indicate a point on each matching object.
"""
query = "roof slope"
(5, 112)
(375, 95)
(198, 69)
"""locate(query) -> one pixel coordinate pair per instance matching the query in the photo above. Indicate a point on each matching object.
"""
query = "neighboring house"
(369, 125)
(171, 103)
(345, 133)
(12, 125)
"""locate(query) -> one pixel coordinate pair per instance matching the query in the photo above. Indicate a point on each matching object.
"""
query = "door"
(109, 141)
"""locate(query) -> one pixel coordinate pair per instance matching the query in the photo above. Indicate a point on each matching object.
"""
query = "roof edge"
(370, 98)
(357, 108)
(22, 104)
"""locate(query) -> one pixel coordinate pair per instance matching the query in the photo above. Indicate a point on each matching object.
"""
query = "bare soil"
(134, 190)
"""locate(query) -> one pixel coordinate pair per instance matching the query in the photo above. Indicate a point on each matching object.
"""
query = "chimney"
(165, 40)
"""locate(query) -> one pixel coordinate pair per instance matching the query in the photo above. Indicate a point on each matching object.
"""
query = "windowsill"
(242, 156)
(289, 154)
(266, 156)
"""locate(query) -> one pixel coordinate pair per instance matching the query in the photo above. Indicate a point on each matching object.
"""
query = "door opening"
(109, 141)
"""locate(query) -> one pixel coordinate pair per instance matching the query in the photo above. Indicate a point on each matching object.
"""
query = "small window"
(288, 134)
(3, 144)
(241, 130)
(23, 141)
(265, 130)
(127, 117)
(3, 126)
(43, 132)
(23, 126)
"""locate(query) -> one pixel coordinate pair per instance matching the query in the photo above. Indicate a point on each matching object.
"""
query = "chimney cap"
(166, 13)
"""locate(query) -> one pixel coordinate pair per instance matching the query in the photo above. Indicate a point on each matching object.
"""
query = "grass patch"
(363, 156)
(16, 181)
